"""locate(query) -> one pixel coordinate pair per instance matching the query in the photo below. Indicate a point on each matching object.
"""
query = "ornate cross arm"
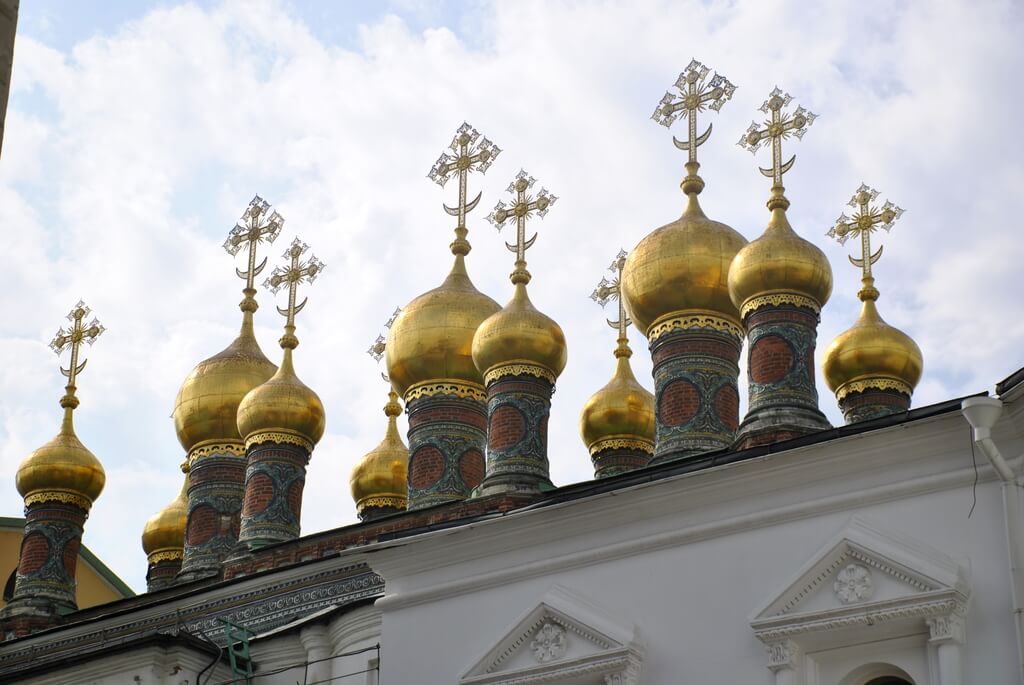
(777, 127)
(866, 219)
(379, 345)
(696, 94)
(290, 276)
(72, 338)
(257, 225)
(523, 206)
(607, 291)
(469, 152)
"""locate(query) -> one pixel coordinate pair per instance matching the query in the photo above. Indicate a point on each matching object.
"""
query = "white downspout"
(982, 413)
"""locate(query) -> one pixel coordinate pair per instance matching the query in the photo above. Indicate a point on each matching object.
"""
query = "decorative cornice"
(396, 501)
(62, 496)
(165, 555)
(518, 368)
(693, 319)
(278, 438)
(622, 444)
(777, 299)
(872, 384)
(446, 387)
(210, 447)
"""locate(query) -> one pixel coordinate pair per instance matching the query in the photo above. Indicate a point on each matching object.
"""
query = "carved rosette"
(215, 493)
(696, 372)
(549, 643)
(783, 398)
(447, 440)
(275, 476)
(853, 584)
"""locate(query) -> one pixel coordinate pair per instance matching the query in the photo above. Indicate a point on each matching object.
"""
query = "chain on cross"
(607, 291)
(696, 94)
(72, 338)
(379, 345)
(777, 127)
(469, 152)
(521, 209)
(297, 271)
(866, 220)
(257, 225)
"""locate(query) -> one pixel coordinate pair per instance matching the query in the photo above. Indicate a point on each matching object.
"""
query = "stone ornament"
(853, 584)
(549, 643)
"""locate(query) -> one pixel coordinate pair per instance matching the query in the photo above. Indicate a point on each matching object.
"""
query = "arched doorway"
(888, 680)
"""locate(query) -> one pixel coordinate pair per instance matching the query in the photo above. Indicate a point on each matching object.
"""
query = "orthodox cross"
(469, 152)
(380, 344)
(521, 209)
(297, 271)
(697, 93)
(612, 290)
(73, 338)
(253, 228)
(776, 129)
(866, 220)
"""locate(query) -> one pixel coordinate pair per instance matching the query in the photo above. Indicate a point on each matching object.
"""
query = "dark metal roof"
(1010, 382)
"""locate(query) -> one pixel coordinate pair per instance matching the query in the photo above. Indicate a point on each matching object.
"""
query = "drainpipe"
(982, 413)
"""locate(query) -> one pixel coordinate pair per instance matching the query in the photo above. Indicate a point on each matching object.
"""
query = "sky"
(137, 133)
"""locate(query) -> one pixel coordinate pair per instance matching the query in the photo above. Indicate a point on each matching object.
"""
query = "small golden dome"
(62, 465)
(518, 333)
(432, 338)
(780, 262)
(165, 530)
(207, 404)
(621, 410)
(380, 478)
(684, 265)
(872, 350)
(284, 405)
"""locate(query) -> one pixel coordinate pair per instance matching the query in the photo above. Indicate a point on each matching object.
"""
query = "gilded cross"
(521, 209)
(865, 221)
(380, 344)
(612, 290)
(696, 93)
(777, 128)
(72, 338)
(297, 271)
(469, 152)
(257, 225)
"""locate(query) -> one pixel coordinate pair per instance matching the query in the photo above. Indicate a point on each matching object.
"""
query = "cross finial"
(469, 152)
(777, 127)
(696, 94)
(290, 276)
(379, 345)
(72, 338)
(607, 291)
(866, 220)
(522, 208)
(257, 225)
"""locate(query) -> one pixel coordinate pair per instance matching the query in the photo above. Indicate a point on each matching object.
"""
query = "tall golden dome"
(380, 478)
(682, 266)
(163, 536)
(621, 413)
(206, 407)
(283, 407)
(520, 334)
(432, 338)
(779, 265)
(62, 466)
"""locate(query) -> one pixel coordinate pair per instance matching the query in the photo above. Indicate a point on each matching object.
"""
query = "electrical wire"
(302, 664)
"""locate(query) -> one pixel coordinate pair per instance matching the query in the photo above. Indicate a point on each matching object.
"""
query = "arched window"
(889, 680)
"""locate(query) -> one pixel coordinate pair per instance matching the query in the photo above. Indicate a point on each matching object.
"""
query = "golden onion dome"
(780, 263)
(621, 410)
(165, 530)
(432, 338)
(63, 465)
(872, 351)
(380, 478)
(283, 405)
(519, 333)
(684, 265)
(207, 404)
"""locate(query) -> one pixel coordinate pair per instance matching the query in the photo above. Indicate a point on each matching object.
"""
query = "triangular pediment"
(563, 637)
(862, 567)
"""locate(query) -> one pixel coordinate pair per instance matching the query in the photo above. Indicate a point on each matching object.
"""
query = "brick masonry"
(162, 574)
(447, 437)
(215, 493)
(696, 372)
(783, 397)
(275, 476)
(612, 462)
(517, 435)
(873, 403)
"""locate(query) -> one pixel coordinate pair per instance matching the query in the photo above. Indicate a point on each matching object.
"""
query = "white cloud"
(154, 134)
